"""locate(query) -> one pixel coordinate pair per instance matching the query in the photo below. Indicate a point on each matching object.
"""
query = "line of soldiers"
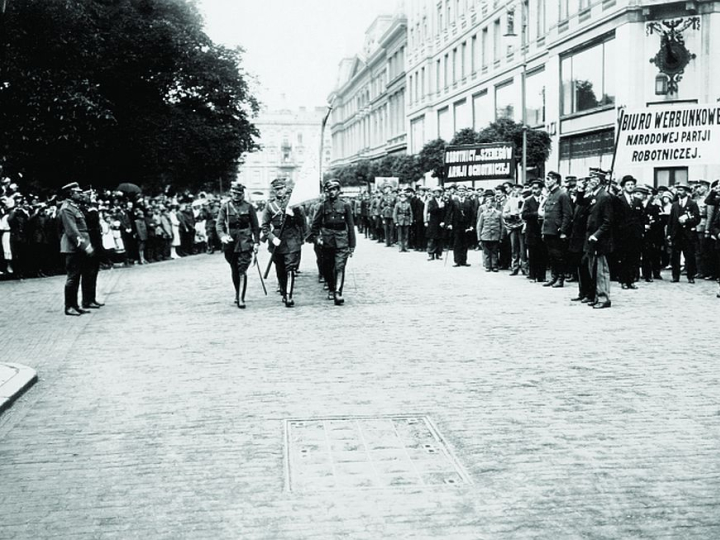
(285, 229)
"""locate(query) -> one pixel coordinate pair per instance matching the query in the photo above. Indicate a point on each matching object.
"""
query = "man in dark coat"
(89, 281)
(537, 264)
(629, 217)
(557, 218)
(652, 239)
(461, 223)
(681, 233)
(599, 240)
(576, 245)
(434, 219)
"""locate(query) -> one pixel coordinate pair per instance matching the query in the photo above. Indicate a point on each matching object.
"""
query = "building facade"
(290, 141)
(369, 115)
(583, 61)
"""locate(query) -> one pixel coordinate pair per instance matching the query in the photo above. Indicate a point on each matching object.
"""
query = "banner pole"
(617, 141)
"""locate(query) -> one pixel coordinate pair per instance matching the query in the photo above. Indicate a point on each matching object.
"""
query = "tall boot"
(243, 288)
(553, 279)
(339, 282)
(289, 302)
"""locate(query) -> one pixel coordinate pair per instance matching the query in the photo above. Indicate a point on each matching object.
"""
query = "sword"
(262, 281)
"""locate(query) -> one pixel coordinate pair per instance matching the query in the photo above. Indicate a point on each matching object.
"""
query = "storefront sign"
(679, 136)
(495, 161)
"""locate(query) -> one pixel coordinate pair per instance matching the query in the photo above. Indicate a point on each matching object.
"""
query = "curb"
(15, 379)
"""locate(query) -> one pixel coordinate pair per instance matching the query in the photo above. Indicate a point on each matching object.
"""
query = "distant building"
(584, 60)
(368, 117)
(290, 142)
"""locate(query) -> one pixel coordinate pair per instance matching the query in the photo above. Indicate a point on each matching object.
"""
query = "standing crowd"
(588, 230)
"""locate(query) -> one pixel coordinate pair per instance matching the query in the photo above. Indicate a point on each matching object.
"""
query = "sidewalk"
(14, 380)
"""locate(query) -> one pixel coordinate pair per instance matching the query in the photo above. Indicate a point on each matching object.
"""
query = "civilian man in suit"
(461, 223)
(556, 227)
(629, 218)
(537, 264)
(75, 245)
(599, 239)
(681, 233)
(434, 219)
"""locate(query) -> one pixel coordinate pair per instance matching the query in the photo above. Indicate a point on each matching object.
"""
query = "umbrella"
(128, 188)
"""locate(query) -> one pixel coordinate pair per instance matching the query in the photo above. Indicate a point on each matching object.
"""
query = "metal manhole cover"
(328, 454)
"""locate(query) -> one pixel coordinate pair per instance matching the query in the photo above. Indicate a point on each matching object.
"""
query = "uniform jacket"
(387, 203)
(558, 213)
(402, 213)
(489, 224)
(599, 224)
(75, 235)
(293, 229)
(239, 221)
(333, 223)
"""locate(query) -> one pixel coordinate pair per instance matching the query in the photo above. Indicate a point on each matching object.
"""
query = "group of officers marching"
(331, 228)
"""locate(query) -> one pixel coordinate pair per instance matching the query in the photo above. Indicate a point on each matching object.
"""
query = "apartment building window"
(445, 72)
(449, 13)
(410, 84)
(461, 114)
(473, 54)
(564, 10)
(462, 60)
(458, 8)
(505, 100)
(584, 4)
(424, 28)
(417, 134)
(670, 176)
(588, 78)
(540, 18)
(423, 88)
(417, 88)
(485, 48)
(445, 130)
(496, 40)
(437, 75)
(481, 110)
(535, 98)
(440, 17)
(454, 66)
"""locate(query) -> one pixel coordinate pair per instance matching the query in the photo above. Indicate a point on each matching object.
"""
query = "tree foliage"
(432, 158)
(105, 91)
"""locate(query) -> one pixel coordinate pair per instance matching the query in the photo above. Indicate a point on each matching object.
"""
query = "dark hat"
(555, 175)
(683, 186)
(537, 182)
(643, 189)
(715, 183)
(279, 183)
(333, 184)
(237, 187)
(526, 192)
(660, 189)
(489, 193)
(598, 172)
(570, 181)
(628, 178)
(69, 188)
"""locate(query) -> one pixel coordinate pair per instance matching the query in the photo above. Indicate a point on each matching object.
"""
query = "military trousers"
(334, 261)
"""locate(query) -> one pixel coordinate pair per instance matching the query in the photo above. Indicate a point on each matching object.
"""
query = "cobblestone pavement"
(162, 415)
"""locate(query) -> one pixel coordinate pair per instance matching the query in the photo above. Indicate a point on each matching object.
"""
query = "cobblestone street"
(169, 413)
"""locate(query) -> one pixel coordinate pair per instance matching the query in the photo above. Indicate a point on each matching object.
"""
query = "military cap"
(598, 172)
(570, 181)
(489, 193)
(555, 175)
(330, 184)
(278, 183)
(235, 186)
(702, 182)
(627, 178)
(69, 188)
(537, 182)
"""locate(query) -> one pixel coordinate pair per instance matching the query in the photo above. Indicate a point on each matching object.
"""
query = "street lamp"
(523, 49)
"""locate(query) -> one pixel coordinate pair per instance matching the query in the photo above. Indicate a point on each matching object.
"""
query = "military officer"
(334, 230)
(75, 245)
(285, 229)
(238, 230)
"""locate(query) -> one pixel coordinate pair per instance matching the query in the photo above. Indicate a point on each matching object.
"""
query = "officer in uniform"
(89, 280)
(75, 245)
(334, 230)
(284, 228)
(238, 230)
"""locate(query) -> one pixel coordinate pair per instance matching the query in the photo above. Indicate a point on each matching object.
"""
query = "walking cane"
(262, 281)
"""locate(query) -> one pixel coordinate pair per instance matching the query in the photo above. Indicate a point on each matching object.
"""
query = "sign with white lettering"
(494, 161)
(688, 135)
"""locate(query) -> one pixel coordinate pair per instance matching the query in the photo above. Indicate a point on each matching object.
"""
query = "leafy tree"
(432, 158)
(407, 169)
(465, 136)
(507, 130)
(103, 91)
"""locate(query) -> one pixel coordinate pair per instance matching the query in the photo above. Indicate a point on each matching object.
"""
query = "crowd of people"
(587, 230)
(125, 229)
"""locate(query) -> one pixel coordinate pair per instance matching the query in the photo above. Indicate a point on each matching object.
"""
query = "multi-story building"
(584, 60)
(290, 141)
(368, 117)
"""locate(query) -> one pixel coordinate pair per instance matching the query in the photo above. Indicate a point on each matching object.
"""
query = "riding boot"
(243, 288)
(289, 302)
(340, 282)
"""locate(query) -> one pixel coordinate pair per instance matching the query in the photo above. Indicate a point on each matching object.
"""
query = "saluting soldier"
(285, 230)
(75, 245)
(238, 230)
(334, 230)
